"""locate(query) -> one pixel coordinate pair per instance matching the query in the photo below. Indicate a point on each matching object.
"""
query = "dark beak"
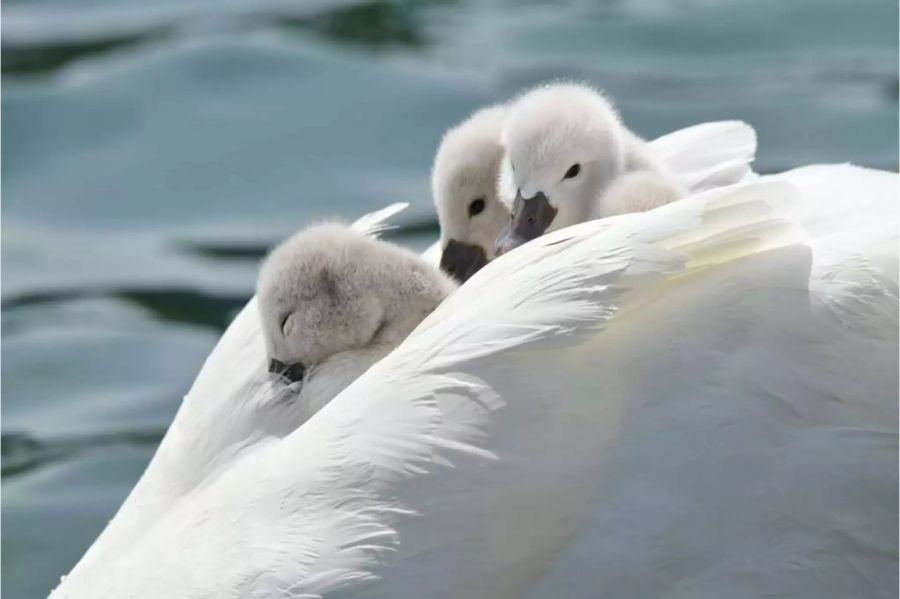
(529, 219)
(292, 372)
(461, 260)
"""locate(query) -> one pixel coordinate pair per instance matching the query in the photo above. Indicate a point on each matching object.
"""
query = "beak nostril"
(531, 220)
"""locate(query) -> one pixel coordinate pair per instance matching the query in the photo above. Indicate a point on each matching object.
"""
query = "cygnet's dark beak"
(292, 372)
(462, 260)
(529, 219)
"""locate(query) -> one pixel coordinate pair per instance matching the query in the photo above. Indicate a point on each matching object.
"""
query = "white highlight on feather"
(708, 155)
(375, 223)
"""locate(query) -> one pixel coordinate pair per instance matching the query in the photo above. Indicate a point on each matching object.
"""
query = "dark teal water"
(154, 150)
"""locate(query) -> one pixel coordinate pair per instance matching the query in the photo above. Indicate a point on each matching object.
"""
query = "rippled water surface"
(154, 150)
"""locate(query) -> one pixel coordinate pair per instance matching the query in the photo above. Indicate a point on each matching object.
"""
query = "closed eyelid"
(284, 325)
(380, 329)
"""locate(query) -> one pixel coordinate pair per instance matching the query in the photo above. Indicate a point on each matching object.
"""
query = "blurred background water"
(154, 150)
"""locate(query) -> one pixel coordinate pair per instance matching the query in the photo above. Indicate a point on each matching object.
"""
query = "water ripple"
(23, 453)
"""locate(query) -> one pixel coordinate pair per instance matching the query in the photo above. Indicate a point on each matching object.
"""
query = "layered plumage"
(696, 401)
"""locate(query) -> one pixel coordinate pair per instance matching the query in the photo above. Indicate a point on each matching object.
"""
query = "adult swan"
(696, 401)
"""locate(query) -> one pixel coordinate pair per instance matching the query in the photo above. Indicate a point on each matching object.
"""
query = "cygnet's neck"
(334, 374)
(645, 182)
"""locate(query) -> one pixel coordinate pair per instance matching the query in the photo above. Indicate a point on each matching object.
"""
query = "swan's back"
(760, 452)
(698, 401)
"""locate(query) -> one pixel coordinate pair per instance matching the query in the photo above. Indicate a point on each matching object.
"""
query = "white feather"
(708, 155)
(375, 223)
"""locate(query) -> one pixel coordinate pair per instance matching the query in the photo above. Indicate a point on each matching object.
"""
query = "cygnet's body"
(569, 159)
(333, 301)
(464, 188)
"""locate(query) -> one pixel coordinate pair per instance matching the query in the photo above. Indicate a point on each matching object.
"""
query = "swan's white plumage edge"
(708, 155)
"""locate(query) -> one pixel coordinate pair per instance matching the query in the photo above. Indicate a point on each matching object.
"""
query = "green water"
(152, 151)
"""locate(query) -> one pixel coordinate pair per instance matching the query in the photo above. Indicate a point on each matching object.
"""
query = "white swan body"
(696, 401)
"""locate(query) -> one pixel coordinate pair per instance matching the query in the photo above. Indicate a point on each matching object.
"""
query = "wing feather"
(709, 155)
(375, 223)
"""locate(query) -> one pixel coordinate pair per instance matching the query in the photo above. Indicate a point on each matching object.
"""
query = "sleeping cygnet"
(334, 301)
(464, 188)
(569, 159)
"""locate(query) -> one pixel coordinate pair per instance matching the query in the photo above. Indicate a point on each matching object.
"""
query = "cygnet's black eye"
(573, 171)
(476, 207)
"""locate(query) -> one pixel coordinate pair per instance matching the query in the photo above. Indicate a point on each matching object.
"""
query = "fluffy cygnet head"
(565, 144)
(329, 290)
(464, 187)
